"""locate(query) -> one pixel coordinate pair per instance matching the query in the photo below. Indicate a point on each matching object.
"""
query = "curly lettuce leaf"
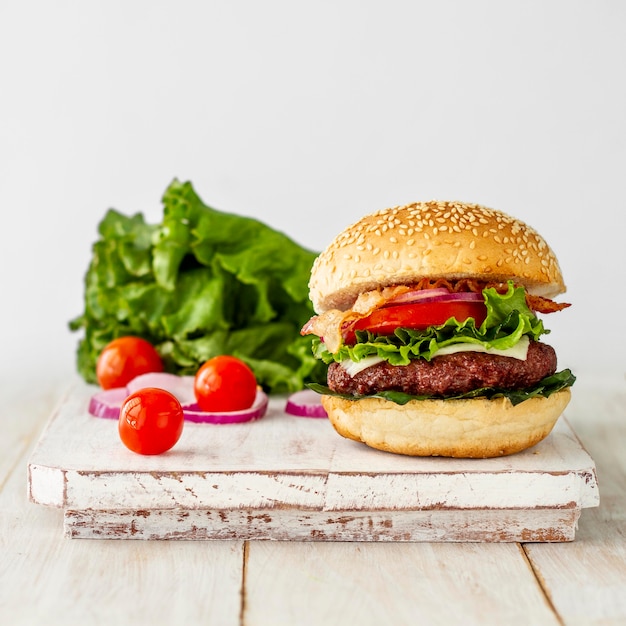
(201, 283)
(508, 319)
(543, 389)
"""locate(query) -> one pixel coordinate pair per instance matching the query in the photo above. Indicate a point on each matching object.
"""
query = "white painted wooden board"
(304, 477)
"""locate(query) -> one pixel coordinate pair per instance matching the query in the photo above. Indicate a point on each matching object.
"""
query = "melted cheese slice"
(354, 367)
(518, 351)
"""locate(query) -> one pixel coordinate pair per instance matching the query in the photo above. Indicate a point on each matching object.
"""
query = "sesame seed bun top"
(450, 240)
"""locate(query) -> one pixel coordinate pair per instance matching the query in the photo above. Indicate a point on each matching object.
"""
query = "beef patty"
(449, 374)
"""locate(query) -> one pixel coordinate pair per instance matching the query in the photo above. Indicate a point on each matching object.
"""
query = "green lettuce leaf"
(508, 319)
(544, 388)
(201, 283)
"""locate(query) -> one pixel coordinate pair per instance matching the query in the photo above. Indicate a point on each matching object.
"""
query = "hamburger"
(427, 316)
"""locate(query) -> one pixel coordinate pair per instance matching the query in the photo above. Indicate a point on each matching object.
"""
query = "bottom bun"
(472, 428)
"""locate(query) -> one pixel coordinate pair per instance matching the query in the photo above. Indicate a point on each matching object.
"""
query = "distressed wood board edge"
(486, 525)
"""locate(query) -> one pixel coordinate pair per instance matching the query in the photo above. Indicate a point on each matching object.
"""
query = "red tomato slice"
(223, 384)
(418, 316)
(151, 421)
(126, 358)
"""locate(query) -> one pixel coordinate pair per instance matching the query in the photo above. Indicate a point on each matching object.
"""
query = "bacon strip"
(329, 325)
(545, 305)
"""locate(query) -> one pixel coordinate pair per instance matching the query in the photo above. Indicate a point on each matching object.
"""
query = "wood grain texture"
(586, 580)
(22, 410)
(45, 579)
(374, 584)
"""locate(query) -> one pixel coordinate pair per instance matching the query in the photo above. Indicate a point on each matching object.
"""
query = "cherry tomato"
(151, 421)
(125, 358)
(225, 383)
(418, 316)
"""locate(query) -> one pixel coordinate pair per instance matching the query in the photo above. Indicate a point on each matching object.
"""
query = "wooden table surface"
(48, 578)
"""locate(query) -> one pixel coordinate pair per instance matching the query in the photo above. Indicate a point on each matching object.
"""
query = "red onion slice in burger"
(435, 295)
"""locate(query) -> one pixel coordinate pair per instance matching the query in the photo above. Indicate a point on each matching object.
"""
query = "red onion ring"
(417, 295)
(435, 295)
(107, 404)
(258, 409)
(179, 386)
(305, 403)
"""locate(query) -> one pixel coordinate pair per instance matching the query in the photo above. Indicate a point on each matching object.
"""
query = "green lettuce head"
(198, 284)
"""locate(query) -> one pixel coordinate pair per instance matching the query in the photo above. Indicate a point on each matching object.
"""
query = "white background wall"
(308, 115)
